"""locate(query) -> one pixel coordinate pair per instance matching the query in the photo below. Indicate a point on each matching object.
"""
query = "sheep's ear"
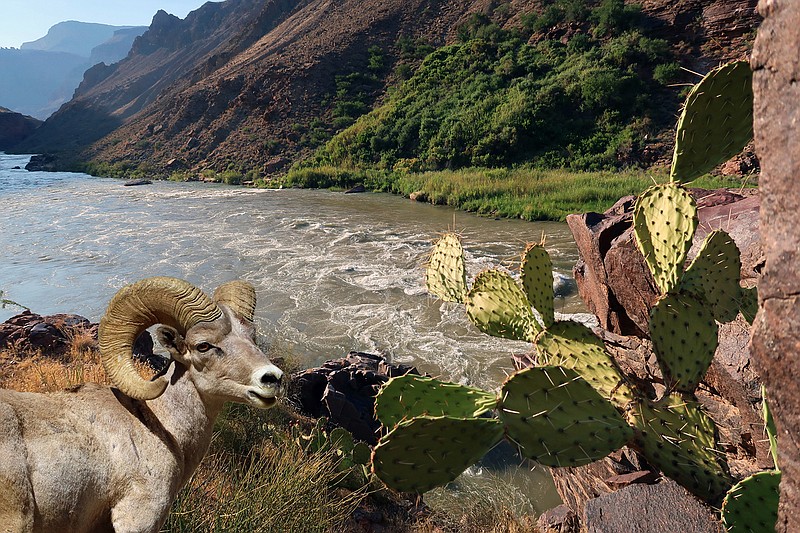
(172, 341)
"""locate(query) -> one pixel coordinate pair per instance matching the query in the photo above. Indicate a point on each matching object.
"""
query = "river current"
(333, 272)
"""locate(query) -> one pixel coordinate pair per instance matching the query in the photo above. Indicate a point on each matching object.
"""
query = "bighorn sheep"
(113, 459)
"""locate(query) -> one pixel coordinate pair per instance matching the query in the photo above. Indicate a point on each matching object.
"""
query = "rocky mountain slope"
(14, 127)
(244, 84)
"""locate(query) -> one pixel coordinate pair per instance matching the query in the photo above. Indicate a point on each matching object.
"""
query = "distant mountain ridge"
(256, 85)
(43, 74)
(78, 38)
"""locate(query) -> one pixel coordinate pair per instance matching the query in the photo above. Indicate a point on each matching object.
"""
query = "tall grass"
(525, 193)
(275, 488)
(34, 372)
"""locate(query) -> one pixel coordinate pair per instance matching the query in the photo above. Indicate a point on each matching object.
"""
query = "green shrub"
(231, 177)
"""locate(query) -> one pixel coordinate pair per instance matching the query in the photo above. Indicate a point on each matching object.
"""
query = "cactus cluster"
(576, 405)
(573, 408)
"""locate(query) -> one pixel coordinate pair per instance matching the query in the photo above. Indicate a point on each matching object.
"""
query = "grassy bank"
(528, 194)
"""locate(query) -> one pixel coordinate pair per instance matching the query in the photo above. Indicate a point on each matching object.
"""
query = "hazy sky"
(27, 20)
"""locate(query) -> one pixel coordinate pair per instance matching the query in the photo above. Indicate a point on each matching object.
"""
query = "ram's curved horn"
(160, 300)
(238, 296)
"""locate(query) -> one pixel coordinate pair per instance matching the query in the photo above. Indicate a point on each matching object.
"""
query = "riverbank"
(519, 193)
(523, 193)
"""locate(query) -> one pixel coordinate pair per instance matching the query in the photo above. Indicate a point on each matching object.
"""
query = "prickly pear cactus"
(499, 307)
(427, 452)
(675, 435)
(558, 419)
(713, 276)
(752, 504)
(664, 222)
(445, 276)
(409, 396)
(536, 272)
(716, 122)
(573, 346)
(748, 303)
(684, 336)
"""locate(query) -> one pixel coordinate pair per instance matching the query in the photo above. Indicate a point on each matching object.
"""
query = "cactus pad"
(676, 436)
(664, 221)
(536, 273)
(574, 346)
(445, 276)
(748, 303)
(716, 122)
(684, 337)
(409, 396)
(427, 452)
(498, 307)
(752, 504)
(713, 276)
(558, 419)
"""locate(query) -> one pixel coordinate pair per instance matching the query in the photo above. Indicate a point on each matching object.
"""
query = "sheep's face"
(224, 362)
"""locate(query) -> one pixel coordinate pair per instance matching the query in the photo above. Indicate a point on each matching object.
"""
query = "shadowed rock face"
(775, 343)
(14, 127)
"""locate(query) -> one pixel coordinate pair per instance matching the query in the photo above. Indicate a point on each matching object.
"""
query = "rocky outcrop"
(343, 391)
(54, 335)
(777, 327)
(14, 127)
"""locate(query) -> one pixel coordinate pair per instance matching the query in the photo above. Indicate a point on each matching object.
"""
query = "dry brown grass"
(34, 371)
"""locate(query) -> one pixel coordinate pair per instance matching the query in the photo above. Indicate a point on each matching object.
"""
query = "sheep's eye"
(203, 347)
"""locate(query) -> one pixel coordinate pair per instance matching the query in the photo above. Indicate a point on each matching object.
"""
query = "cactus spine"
(445, 276)
(409, 396)
(664, 221)
(558, 419)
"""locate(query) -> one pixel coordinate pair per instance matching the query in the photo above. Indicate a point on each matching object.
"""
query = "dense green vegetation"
(584, 101)
(526, 193)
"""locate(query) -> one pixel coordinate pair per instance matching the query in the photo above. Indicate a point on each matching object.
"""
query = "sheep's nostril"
(270, 379)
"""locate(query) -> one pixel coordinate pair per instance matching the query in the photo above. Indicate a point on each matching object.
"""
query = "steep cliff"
(244, 83)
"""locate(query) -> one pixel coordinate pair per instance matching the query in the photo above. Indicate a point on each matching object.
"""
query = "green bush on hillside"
(494, 99)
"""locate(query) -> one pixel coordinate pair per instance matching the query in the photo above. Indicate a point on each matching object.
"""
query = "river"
(334, 272)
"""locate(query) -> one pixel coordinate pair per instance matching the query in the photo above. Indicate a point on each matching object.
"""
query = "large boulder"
(776, 116)
(343, 390)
